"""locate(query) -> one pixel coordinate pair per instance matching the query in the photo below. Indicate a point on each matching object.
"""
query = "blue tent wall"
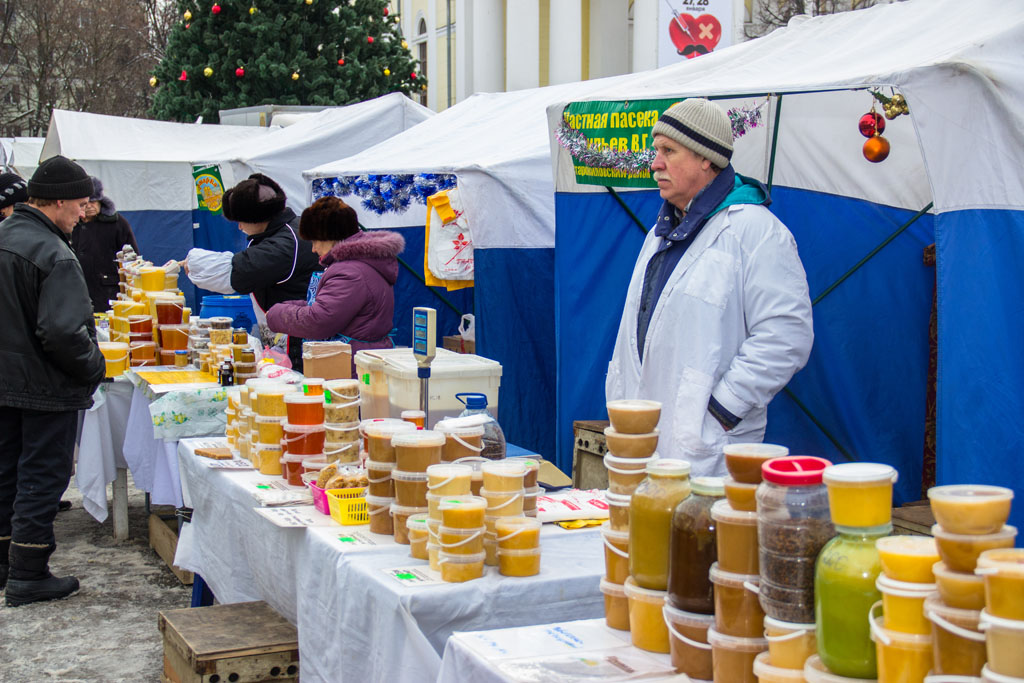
(866, 377)
(162, 236)
(981, 365)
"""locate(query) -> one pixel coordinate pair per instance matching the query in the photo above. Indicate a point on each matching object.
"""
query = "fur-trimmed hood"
(369, 246)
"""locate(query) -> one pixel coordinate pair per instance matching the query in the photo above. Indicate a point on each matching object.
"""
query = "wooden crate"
(163, 538)
(246, 642)
(588, 451)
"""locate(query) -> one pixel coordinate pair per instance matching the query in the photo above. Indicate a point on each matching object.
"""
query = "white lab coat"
(734, 320)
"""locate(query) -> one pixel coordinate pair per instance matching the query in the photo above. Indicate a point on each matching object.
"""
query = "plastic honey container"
(174, 337)
(1003, 572)
(970, 508)
(903, 605)
(300, 439)
(744, 460)
(447, 479)
(503, 476)
(634, 416)
(630, 446)
(269, 456)
(342, 452)
(116, 356)
(433, 550)
(737, 610)
(410, 488)
(518, 562)
(1004, 644)
(768, 672)
(459, 568)
(400, 515)
(790, 644)
(378, 435)
(342, 432)
(291, 466)
(688, 642)
(303, 409)
(816, 672)
(269, 401)
(490, 549)
(503, 504)
(151, 278)
(418, 535)
(460, 441)
(860, 494)
(378, 477)
(732, 657)
(462, 512)
(692, 549)
(646, 620)
(901, 656)
(616, 554)
(379, 510)
(740, 496)
(618, 511)
(625, 474)
(461, 541)
(736, 538)
(989, 676)
(269, 429)
(908, 558)
(530, 501)
(961, 590)
(532, 472)
(959, 645)
(517, 533)
(960, 552)
(143, 351)
(616, 606)
(417, 450)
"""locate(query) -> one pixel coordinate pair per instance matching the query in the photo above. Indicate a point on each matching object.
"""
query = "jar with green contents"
(844, 591)
(650, 521)
(692, 549)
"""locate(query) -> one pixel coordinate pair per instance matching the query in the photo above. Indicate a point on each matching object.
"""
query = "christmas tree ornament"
(207, 72)
(252, 10)
(152, 81)
(341, 62)
(295, 75)
(871, 123)
(405, 45)
(413, 75)
(240, 72)
(890, 112)
(386, 11)
(183, 76)
(387, 72)
(309, 2)
(188, 25)
(369, 39)
(876, 149)
(187, 16)
(215, 9)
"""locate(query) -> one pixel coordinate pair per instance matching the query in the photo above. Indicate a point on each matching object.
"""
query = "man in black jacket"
(276, 265)
(51, 367)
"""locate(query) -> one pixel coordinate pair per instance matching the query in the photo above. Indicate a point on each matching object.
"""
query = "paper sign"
(211, 442)
(294, 516)
(414, 576)
(237, 465)
(352, 540)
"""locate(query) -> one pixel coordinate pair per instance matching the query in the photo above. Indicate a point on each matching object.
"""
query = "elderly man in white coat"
(717, 316)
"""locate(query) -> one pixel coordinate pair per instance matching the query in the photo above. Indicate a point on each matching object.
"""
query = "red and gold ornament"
(215, 9)
(240, 72)
(341, 62)
(871, 123)
(876, 149)
(369, 39)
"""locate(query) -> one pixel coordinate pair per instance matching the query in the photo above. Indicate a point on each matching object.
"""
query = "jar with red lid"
(793, 524)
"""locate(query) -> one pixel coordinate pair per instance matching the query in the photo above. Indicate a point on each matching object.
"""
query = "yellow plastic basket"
(348, 506)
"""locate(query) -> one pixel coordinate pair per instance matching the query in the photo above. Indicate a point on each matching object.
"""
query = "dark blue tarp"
(162, 236)
(866, 377)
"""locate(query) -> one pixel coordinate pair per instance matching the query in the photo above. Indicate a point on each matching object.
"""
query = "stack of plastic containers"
(341, 416)
(860, 504)
(626, 460)
(302, 433)
(793, 526)
(518, 546)
(270, 412)
(445, 482)
(380, 465)
(415, 451)
(503, 489)
(650, 532)
(690, 606)
(971, 529)
(461, 538)
(738, 634)
(1003, 616)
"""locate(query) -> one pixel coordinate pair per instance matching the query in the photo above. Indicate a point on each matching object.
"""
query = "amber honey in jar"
(692, 549)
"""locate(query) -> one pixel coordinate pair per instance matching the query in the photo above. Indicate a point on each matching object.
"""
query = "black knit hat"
(254, 200)
(13, 189)
(60, 178)
(328, 219)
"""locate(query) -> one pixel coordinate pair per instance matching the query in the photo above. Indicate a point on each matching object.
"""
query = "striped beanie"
(699, 125)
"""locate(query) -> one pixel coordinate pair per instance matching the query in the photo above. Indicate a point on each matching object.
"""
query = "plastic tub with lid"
(815, 672)
(518, 562)
(790, 644)
(908, 558)
(688, 642)
(732, 657)
(460, 568)
(449, 479)
(463, 438)
(1003, 572)
(623, 445)
(625, 474)
(616, 553)
(860, 494)
(379, 434)
(737, 610)
(970, 508)
(616, 605)
(419, 534)
(744, 460)
(767, 672)
(959, 645)
(736, 537)
(634, 416)
(410, 488)
(417, 450)
(646, 618)
(400, 515)
(960, 552)
(903, 603)
(901, 656)
(963, 590)
(1004, 644)
(379, 509)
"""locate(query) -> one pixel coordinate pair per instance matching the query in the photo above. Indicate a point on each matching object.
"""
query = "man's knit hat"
(13, 189)
(60, 178)
(699, 125)
(254, 200)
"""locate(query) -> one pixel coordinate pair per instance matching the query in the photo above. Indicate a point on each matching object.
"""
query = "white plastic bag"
(450, 254)
(210, 270)
(467, 327)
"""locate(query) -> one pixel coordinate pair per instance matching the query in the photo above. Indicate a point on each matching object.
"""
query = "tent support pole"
(775, 140)
(626, 208)
(872, 253)
(818, 424)
(419, 277)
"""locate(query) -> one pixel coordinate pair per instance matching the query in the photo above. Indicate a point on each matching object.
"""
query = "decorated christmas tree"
(239, 53)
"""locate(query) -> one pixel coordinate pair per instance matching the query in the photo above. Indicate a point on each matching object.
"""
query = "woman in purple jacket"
(353, 300)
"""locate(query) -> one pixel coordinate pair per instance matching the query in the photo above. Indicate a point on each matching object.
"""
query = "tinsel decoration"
(385, 193)
(744, 119)
(576, 143)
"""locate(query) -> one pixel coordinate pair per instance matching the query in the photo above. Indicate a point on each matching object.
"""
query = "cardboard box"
(457, 344)
(327, 360)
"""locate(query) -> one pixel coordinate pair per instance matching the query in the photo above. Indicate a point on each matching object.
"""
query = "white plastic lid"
(298, 397)
(787, 625)
(399, 475)
(903, 589)
(991, 676)
(708, 486)
(616, 434)
(693, 619)
(379, 501)
(721, 511)
(633, 404)
(1003, 561)
(736, 643)
(964, 618)
(815, 672)
(969, 493)
(617, 499)
(471, 425)
(859, 473)
(295, 457)
(1002, 623)
(449, 470)
(668, 468)
(635, 592)
(756, 450)
(380, 466)
(503, 468)
(731, 580)
(765, 671)
(614, 534)
(1007, 532)
(640, 464)
(613, 590)
(303, 429)
(460, 559)
(415, 437)
(465, 502)
(416, 523)
(397, 509)
(386, 428)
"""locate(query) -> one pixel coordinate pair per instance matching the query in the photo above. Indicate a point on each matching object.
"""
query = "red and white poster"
(690, 28)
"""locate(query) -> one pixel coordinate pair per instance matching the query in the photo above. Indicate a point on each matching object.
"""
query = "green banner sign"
(209, 187)
(615, 135)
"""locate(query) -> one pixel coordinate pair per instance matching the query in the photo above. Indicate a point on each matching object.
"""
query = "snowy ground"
(108, 630)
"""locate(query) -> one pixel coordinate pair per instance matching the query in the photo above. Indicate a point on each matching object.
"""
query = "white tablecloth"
(355, 621)
(100, 444)
(567, 651)
(153, 462)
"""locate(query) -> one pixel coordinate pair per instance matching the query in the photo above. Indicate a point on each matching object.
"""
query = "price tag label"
(414, 576)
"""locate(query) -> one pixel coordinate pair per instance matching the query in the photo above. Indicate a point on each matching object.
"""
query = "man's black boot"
(5, 547)
(30, 579)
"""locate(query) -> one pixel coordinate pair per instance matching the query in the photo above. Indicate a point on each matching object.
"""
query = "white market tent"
(23, 154)
(954, 178)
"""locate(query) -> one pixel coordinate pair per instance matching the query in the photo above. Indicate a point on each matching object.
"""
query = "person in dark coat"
(13, 190)
(96, 241)
(51, 367)
(277, 264)
(354, 300)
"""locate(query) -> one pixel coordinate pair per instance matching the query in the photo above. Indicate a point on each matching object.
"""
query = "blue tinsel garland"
(385, 193)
